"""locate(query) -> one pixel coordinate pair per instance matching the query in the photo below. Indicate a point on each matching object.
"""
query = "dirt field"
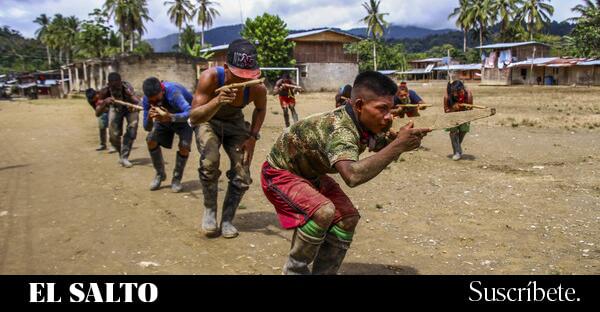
(526, 200)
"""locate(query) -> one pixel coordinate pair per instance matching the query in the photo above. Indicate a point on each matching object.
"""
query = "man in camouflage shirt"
(294, 177)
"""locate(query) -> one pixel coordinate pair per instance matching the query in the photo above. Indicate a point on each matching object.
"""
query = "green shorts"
(466, 127)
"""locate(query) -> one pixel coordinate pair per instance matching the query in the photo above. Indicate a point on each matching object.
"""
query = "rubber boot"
(210, 191)
(294, 114)
(230, 204)
(102, 145)
(286, 117)
(330, 256)
(303, 252)
(159, 166)
(180, 162)
(125, 151)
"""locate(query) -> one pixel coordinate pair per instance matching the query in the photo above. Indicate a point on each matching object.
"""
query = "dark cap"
(242, 59)
(114, 77)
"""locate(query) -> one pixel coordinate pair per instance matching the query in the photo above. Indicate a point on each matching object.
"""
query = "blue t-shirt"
(177, 100)
(414, 97)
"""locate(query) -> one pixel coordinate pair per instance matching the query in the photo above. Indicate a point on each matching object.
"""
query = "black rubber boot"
(102, 145)
(331, 255)
(159, 166)
(210, 191)
(286, 117)
(303, 252)
(125, 151)
(233, 197)
(294, 114)
(180, 162)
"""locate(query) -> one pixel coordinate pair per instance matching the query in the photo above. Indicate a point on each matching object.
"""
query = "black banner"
(282, 291)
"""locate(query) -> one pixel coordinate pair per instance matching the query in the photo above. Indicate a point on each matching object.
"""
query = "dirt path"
(525, 201)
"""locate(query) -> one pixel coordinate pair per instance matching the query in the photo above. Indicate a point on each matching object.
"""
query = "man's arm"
(182, 104)
(205, 105)
(104, 100)
(258, 117)
(277, 87)
(148, 122)
(356, 173)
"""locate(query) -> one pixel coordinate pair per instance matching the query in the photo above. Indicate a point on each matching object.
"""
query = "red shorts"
(297, 199)
(286, 101)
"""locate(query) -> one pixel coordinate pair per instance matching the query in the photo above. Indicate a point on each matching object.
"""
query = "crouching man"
(294, 177)
(166, 111)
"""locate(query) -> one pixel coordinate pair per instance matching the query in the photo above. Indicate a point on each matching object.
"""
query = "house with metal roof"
(323, 63)
(496, 59)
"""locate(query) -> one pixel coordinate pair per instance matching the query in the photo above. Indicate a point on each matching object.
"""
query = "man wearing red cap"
(218, 120)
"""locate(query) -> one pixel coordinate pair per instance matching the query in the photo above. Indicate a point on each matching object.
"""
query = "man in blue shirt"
(166, 111)
(406, 96)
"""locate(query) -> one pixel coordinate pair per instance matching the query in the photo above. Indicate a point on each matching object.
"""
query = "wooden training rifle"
(245, 84)
(444, 121)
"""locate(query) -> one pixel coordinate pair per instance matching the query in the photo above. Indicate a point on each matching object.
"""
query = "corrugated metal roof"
(459, 67)
(318, 31)
(388, 72)
(589, 63)
(27, 85)
(416, 71)
(428, 60)
(509, 45)
(535, 61)
(215, 48)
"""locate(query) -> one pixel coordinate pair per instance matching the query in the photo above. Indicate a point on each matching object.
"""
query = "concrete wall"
(136, 69)
(315, 77)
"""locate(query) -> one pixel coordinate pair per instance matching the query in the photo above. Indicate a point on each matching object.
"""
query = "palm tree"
(206, 16)
(129, 16)
(506, 10)
(41, 34)
(535, 13)
(138, 15)
(463, 20)
(375, 25)
(118, 10)
(71, 28)
(586, 10)
(55, 35)
(479, 12)
(179, 13)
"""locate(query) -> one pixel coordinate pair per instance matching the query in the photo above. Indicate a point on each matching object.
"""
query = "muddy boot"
(159, 166)
(102, 145)
(230, 205)
(286, 117)
(125, 162)
(180, 162)
(125, 151)
(294, 114)
(303, 252)
(330, 256)
(209, 221)
(112, 150)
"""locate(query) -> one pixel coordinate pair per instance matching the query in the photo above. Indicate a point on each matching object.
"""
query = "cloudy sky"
(299, 14)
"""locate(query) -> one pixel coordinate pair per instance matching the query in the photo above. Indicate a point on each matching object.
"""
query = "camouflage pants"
(116, 117)
(209, 138)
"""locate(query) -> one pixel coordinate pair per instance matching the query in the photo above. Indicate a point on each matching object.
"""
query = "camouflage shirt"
(311, 147)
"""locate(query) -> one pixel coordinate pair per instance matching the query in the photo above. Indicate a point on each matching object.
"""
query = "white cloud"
(298, 14)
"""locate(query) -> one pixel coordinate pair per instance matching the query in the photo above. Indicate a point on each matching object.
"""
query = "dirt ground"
(525, 200)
